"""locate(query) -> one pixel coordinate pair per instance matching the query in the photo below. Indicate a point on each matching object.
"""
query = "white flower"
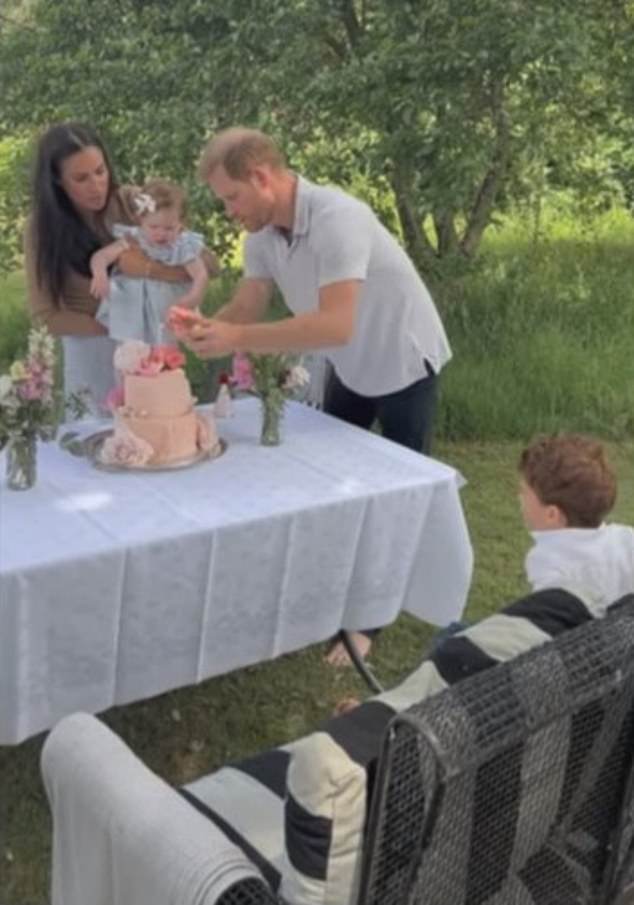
(297, 377)
(129, 355)
(6, 387)
(42, 347)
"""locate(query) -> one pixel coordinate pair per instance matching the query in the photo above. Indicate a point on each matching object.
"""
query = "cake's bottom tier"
(170, 438)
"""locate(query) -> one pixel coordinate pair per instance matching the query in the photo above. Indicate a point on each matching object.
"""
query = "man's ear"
(260, 176)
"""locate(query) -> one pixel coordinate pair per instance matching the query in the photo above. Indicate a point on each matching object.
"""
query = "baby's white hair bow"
(144, 204)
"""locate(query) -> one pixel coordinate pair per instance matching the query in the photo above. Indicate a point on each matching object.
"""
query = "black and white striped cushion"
(246, 801)
(300, 812)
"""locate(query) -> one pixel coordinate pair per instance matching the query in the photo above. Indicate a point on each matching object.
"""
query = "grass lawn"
(188, 732)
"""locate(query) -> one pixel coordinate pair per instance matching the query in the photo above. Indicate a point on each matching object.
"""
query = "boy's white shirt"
(595, 564)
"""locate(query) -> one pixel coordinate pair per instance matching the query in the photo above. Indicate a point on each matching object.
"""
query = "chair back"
(515, 785)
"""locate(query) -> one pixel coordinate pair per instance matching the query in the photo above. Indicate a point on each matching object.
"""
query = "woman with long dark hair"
(76, 199)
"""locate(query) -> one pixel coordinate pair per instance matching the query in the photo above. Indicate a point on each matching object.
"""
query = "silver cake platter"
(91, 446)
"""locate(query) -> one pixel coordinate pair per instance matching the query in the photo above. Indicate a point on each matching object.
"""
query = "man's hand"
(212, 338)
(181, 320)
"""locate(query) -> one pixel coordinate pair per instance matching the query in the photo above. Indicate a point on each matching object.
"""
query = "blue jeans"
(405, 416)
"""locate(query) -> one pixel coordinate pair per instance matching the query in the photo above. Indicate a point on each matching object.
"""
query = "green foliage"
(439, 113)
(541, 333)
(14, 320)
(14, 152)
(540, 328)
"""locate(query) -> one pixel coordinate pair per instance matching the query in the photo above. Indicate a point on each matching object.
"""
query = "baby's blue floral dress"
(136, 308)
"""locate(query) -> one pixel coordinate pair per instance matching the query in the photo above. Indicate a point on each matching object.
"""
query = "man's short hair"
(238, 150)
(571, 472)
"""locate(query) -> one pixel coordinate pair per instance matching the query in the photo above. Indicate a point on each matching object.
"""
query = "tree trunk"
(448, 242)
(485, 199)
(418, 246)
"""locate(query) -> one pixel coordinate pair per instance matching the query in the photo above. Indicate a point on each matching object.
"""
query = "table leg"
(361, 666)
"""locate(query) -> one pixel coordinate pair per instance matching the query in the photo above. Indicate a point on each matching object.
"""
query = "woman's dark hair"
(62, 240)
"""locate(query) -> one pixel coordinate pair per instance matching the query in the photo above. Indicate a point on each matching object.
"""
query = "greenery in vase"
(30, 404)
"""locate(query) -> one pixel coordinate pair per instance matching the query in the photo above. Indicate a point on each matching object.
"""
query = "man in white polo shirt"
(353, 291)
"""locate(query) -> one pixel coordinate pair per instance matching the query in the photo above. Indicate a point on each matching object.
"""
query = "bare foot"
(345, 705)
(339, 656)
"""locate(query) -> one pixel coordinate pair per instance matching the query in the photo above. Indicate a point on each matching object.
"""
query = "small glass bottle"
(223, 406)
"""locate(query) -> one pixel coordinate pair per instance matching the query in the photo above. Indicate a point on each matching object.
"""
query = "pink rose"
(173, 357)
(156, 356)
(242, 373)
(114, 398)
(149, 367)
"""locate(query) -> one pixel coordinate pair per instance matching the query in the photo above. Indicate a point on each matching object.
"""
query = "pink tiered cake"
(154, 419)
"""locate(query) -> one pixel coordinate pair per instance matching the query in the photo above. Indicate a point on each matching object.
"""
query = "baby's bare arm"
(100, 261)
(199, 277)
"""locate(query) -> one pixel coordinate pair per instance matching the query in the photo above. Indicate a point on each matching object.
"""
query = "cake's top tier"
(164, 395)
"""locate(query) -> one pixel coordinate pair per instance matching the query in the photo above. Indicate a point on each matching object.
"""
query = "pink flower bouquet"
(31, 408)
(274, 379)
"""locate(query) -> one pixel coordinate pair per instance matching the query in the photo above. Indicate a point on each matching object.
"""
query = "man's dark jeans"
(405, 417)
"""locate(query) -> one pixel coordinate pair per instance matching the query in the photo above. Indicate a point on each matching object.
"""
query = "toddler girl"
(135, 308)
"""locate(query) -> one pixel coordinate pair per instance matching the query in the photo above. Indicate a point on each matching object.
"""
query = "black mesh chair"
(248, 892)
(512, 787)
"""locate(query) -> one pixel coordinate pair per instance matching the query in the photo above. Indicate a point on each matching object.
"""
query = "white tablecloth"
(115, 587)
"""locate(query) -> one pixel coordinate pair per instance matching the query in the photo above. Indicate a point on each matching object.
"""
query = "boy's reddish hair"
(571, 471)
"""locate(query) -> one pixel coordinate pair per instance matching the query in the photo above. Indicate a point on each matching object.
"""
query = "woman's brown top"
(74, 315)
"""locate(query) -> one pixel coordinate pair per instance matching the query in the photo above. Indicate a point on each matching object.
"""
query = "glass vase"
(272, 411)
(21, 461)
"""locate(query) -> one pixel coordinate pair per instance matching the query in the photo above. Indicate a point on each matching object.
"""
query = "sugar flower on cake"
(129, 355)
(172, 357)
(136, 357)
(125, 449)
